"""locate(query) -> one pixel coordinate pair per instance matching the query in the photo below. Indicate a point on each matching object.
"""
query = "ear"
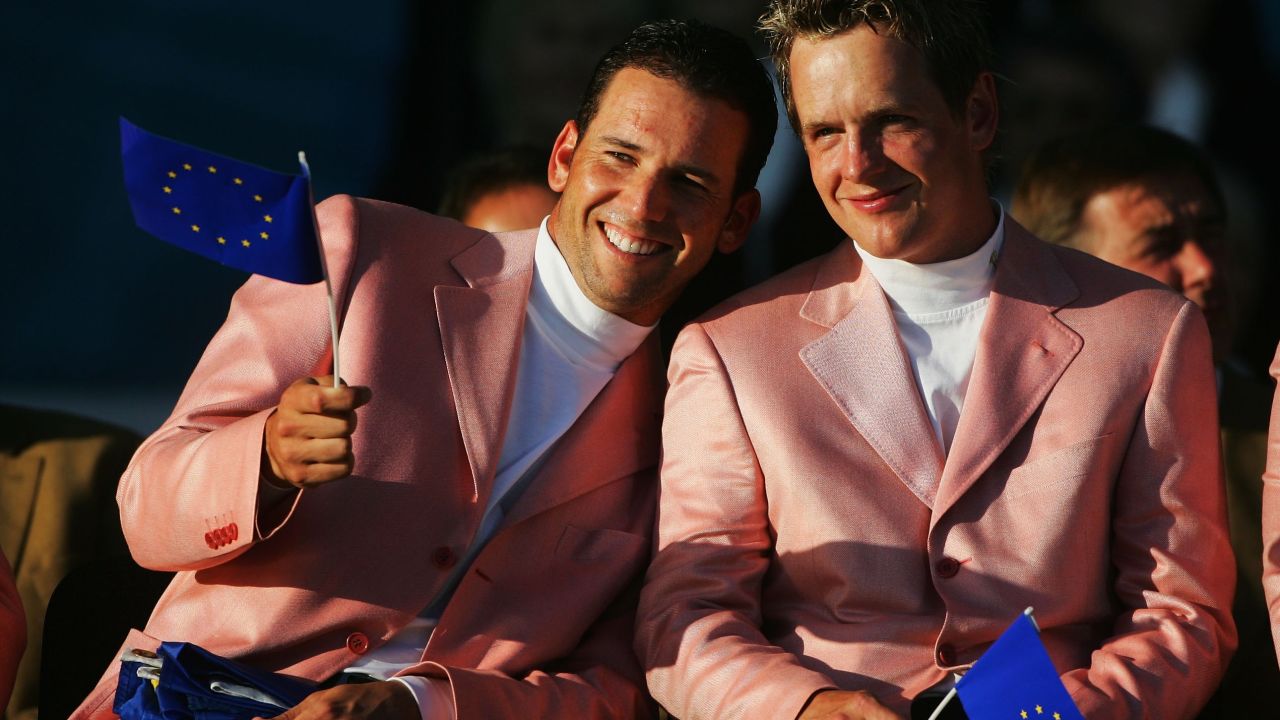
(562, 156)
(743, 214)
(982, 112)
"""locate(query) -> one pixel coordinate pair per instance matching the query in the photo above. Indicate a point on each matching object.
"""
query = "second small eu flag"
(1015, 680)
(238, 214)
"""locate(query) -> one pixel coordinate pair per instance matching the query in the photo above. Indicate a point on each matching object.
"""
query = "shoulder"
(783, 295)
(352, 221)
(1084, 285)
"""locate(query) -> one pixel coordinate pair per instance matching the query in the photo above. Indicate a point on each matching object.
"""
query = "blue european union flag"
(239, 214)
(1015, 680)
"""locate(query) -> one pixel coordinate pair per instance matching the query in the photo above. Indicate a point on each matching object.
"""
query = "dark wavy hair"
(707, 61)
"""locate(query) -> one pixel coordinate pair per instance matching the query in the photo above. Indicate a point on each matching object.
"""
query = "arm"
(1174, 572)
(1271, 515)
(189, 499)
(698, 628)
(13, 630)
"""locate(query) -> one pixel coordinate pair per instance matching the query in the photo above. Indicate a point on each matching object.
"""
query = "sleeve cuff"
(434, 696)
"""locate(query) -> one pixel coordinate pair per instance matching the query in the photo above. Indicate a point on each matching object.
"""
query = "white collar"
(917, 289)
(594, 336)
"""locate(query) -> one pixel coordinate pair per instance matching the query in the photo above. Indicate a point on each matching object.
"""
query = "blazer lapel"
(616, 436)
(480, 328)
(861, 364)
(1022, 352)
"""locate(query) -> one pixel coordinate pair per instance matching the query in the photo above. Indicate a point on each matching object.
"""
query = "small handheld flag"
(1015, 680)
(230, 211)
(238, 214)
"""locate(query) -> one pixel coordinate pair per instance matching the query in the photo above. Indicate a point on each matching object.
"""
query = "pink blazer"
(433, 312)
(1271, 515)
(811, 536)
(13, 630)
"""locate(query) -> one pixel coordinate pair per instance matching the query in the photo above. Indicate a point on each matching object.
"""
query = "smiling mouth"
(629, 243)
(876, 201)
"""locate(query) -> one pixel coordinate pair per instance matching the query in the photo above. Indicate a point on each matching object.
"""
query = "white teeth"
(630, 245)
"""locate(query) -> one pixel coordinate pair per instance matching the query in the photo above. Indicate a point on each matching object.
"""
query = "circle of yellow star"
(263, 235)
(222, 241)
(195, 228)
(267, 218)
(186, 166)
(238, 181)
(213, 169)
(1023, 714)
(177, 211)
(1057, 716)
(167, 189)
(244, 243)
(257, 198)
(1039, 710)
(173, 174)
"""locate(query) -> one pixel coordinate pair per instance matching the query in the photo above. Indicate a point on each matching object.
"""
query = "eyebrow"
(679, 168)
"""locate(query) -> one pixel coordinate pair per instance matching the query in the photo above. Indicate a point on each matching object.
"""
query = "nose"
(646, 197)
(860, 157)
(1197, 267)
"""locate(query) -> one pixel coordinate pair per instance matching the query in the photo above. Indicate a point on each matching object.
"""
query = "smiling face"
(897, 170)
(647, 193)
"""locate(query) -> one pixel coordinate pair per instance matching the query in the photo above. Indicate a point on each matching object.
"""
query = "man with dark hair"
(500, 191)
(1148, 201)
(472, 546)
(950, 421)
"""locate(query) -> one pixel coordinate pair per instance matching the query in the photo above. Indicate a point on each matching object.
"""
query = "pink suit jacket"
(13, 631)
(540, 626)
(811, 535)
(1271, 515)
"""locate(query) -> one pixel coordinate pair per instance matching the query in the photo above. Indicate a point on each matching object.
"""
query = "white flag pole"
(324, 266)
(943, 705)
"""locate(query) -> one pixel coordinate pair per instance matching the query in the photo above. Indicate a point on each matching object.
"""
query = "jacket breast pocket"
(1062, 466)
(603, 544)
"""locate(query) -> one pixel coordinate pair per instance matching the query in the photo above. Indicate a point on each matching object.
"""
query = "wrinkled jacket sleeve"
(698, 629)
(1175, 575)
(1271, 514)
(189, 498)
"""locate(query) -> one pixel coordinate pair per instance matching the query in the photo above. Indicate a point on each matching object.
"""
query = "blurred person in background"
(500, 190)
(1147, 200)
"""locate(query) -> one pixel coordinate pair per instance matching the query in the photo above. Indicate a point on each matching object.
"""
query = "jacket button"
(947, 567)
(208, 540)
(946, 655)
(443, 557)
(235, 531)
(358, 643)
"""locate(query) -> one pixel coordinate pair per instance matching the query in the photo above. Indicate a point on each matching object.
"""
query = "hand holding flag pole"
(236, 213)
(1014, 678)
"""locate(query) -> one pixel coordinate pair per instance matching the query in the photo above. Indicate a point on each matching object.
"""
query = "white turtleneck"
(939, 309)
(569, 351)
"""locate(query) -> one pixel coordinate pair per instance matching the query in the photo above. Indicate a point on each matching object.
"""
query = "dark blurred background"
(387, 97)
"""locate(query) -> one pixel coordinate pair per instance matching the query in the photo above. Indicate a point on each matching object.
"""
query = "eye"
(620, 156)
(821, 135)
(688, 182)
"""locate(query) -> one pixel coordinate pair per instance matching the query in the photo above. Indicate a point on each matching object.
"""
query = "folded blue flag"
(1015, 680)
(188, 688)
(239, 214)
